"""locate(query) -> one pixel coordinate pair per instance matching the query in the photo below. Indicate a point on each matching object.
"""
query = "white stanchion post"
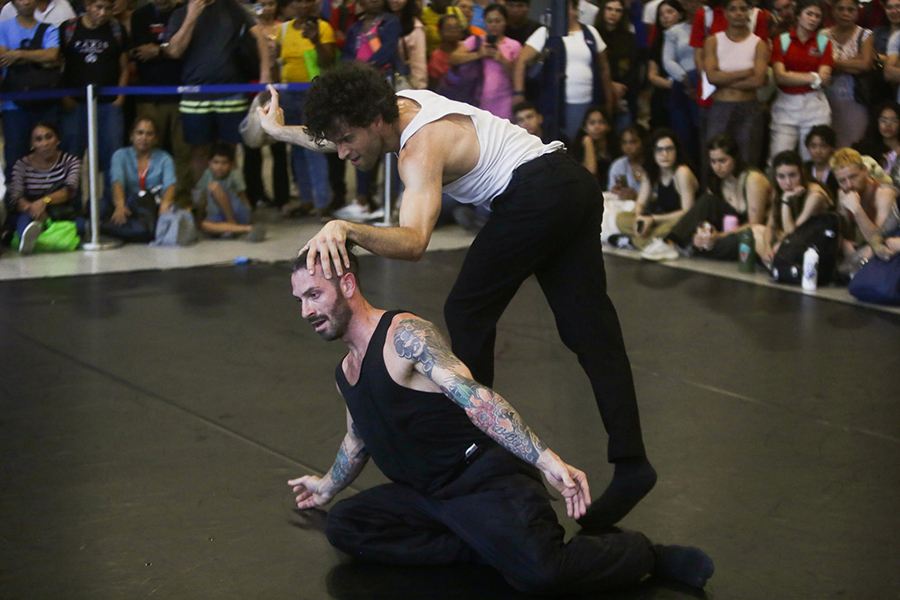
(96, 243)
(388, 159)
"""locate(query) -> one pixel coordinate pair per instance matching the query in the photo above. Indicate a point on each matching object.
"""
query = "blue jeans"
(17, 124)
(110, 135)
(574, 117)
(310, 168)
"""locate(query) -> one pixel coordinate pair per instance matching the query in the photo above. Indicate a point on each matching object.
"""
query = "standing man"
(54, 12)
(545, 221)
(520, 26)
(465, 468)
(210, 35)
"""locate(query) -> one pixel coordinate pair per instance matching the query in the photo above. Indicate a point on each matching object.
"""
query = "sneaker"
(659, 250)
(621, 240)
(378, 213)
(257, 233)
(352, 212)
(29, 237)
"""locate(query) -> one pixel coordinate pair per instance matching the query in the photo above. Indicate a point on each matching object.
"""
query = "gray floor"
(149, 421)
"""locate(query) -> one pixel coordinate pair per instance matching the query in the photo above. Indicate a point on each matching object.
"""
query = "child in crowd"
(821, 143)
(526, 116)
(222, 192)
(594, 144)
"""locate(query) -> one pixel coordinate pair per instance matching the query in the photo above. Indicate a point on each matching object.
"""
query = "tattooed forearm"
(495, 416)
(420, 341)
(348, 463)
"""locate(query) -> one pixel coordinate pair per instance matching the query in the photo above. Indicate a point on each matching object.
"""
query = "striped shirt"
(30, 183)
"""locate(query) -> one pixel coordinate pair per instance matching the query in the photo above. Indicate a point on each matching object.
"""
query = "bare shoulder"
(420, 341)
(449, 143)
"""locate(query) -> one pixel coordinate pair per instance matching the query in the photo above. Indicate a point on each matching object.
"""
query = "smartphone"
(491, 40)
(640, 226)
(621, 180)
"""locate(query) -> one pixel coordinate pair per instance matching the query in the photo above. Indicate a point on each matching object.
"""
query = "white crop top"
(736, 56)
(502, 146)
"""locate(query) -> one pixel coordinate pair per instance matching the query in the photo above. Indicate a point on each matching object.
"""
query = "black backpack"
(30, 77)
(821, 232)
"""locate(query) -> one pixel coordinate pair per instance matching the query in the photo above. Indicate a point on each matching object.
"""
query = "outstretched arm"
(421, 343)
(271, 119)
(315, 491)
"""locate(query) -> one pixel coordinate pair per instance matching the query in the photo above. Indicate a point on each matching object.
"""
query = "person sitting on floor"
(734, 189)
(882, 139)
(221, 191)
(796, 200)
(627, 171)
(821, 143)
(526, 116)
(594, 145)
(44, 185)
(465, 468)
(144, 181)
(667, 193)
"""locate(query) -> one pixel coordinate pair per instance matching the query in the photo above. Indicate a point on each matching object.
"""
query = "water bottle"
(747, 250)
(810, 270)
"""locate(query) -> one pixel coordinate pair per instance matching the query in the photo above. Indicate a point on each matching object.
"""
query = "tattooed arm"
(315, 491)
(421, 343)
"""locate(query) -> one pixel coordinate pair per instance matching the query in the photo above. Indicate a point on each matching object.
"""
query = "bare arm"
(655, 78)
(892, 68)
(419, 341)
(348, 464)
(814, 203)
(686, 185)
(526, 56)
(760, 66)
(271, 118)
(711, 67)
(182, 38)
(608, 91)
(799, 78)
(861, 63)
(759, 192)
(44, 56)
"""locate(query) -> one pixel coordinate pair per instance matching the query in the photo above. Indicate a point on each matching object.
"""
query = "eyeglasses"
(664, 149)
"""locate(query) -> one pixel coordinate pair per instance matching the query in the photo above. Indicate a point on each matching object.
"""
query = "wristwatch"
(47, 199)
(162, 48)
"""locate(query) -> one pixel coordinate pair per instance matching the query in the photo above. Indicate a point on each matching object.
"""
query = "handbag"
(878, 281)
(870, 87)
(58, 236)
(464, 83)
(30, 77)
(175, 227)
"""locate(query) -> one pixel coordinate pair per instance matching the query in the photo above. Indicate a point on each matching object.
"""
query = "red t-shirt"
(801, 57)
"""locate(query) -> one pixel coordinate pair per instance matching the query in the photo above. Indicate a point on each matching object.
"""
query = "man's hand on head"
(330, 246)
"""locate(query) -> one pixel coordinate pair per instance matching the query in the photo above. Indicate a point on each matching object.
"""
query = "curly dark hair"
(353, 94)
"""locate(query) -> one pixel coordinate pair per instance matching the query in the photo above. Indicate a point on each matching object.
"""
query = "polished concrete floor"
(149, 422)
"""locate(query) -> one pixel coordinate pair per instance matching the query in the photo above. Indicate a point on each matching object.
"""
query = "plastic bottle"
(810, 279)
(747, 251)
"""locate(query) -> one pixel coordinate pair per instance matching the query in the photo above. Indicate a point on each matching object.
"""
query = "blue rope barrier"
(154, 90)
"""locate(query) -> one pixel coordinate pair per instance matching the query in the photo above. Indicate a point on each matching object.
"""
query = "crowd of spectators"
(747, 106)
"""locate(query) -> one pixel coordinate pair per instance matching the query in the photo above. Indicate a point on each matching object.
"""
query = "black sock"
(683, 563)
(633, 479)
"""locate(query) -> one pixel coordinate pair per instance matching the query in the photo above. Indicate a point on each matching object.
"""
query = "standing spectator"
(468, 11)
(44, 185)
(820, 145)
(342, 17)
(884, 32)
(594, 146)
(853, 55)
(802, 62)
(519, 26)
(892, 51)
(307, 46)
(96, 52)
(736, 62)
(627, 171)
(451, 30)
(269, 28)
(881, 140)
(412, 42)
(431, 14)
(478, 9)
(668, 15)
(678, 61)
(16, 36)
(54, 12)
(155, 67)
(498, 55)
(622, 54)
(783, 17)
(121, 12)
(208, 35)
(587, 81)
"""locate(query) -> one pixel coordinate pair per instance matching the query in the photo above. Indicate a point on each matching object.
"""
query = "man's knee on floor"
(537, 578)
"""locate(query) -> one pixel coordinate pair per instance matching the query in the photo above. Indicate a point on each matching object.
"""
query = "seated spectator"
(802, 62)
(627, 171)
(667, 193)
(16, 36)
(44, 185)
(622, 54)
(867, 208)
(519, 27)
(54, 12)
(853, 55)
(820, 145)
(143, 182)
(736, 63)
(528, 118)
(431, 14)
(734, 189)
(594, 145)
(411, 48)
(498, 55)
(439, 63)
(796, 199)
(222, 193)
(881, 140)
(106, 64)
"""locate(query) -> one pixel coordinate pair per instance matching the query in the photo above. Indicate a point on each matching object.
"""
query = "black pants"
(707, 209)
(547, 223)
(253, 174)
(498, 512)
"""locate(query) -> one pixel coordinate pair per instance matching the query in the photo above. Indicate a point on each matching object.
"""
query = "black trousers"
(253, 174)
(547, 223)
(707, 209)
(497, 512)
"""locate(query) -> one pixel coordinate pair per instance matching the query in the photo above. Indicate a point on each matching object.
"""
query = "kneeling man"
(465, 468)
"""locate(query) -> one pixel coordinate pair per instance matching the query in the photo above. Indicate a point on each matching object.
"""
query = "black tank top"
(667, 199)
(416, 438)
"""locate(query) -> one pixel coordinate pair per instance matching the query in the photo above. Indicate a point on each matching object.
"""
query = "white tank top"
(735, 56)
(502, 146)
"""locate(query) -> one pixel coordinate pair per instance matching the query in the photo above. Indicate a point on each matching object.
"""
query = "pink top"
(497, 93)
(370, 44)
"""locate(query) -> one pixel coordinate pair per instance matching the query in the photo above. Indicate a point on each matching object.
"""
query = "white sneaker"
(29, 237)
(659, 250)
(376, 214)
(352, 212)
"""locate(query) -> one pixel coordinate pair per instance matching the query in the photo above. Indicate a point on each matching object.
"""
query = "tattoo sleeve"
(419, 341)
(350, 460)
